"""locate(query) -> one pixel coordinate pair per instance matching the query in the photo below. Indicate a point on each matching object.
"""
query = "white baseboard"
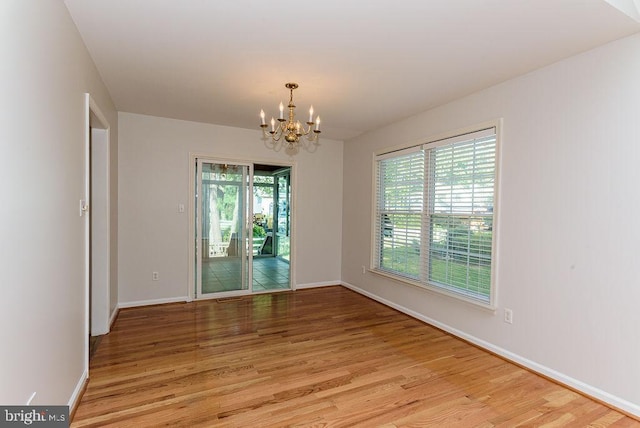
(317, 284)
(134, 304)
(99, 332)
(76, 396)
(113, 316)
(123, 305)
(589, 390)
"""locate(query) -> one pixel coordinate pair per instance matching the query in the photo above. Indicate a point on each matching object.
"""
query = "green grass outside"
(406, 260)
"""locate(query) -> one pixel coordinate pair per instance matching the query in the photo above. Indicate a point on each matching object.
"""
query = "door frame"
(193, 156)
(97, 251)
(278, 174)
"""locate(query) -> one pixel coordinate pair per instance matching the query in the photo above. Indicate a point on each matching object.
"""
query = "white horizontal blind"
(400, 189)
(434, 214)
(460, 216)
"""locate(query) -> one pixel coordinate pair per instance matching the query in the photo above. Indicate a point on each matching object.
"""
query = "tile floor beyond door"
(224, 274)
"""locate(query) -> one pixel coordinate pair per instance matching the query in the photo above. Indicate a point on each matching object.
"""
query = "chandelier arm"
(305, 131)
(280, 131)
(276, 134)
(312, 136)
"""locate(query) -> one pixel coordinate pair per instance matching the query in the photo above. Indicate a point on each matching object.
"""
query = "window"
(434, 215)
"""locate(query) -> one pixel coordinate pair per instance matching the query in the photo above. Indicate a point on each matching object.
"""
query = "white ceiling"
(362, 64)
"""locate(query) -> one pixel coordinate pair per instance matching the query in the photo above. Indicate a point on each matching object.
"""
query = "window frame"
(376, 229)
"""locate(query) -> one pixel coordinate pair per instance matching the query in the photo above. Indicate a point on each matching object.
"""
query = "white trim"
(77, 392)
(247, 176)
(469, 133)
(454, 137)
(374, 210)
(460, 138)
(113, 316)
(87, 236)
(293, 223)
(195, 291)
(398, 153)
(438, 290)
(495, 248)
(273, 291)
(191, 212)
(96, 110)
(441, 136)
(92, 108)
(99, 331)
(562, 378)
(135, 304)
(247, 237)
(224, 295)
(317, 284)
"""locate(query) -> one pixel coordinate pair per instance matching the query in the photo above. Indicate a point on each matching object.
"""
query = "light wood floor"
(323, 357)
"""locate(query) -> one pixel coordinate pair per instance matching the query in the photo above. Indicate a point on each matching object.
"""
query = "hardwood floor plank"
(324, 357)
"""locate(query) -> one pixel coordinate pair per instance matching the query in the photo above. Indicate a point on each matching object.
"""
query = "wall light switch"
(180, 208)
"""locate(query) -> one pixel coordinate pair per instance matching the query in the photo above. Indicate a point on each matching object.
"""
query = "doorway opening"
(96, 207)
(271, 227)
(242, 228)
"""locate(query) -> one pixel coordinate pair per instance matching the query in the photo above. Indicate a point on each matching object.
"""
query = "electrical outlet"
(364, 270)
(155, 276)
(508, 316)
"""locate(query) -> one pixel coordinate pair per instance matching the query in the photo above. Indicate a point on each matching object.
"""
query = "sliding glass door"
(242, 228)
(223, 243)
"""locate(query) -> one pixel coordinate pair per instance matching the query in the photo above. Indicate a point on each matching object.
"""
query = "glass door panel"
(271, 214)
(223, 264)
(263, 209)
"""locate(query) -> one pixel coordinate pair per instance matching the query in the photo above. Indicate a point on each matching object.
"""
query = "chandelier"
(290, 129)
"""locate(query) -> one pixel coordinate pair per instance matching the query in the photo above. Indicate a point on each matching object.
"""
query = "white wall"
(154, 179)
(45, 71)
(568, 236)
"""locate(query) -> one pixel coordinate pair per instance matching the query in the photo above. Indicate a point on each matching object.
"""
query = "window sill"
(429, 288)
